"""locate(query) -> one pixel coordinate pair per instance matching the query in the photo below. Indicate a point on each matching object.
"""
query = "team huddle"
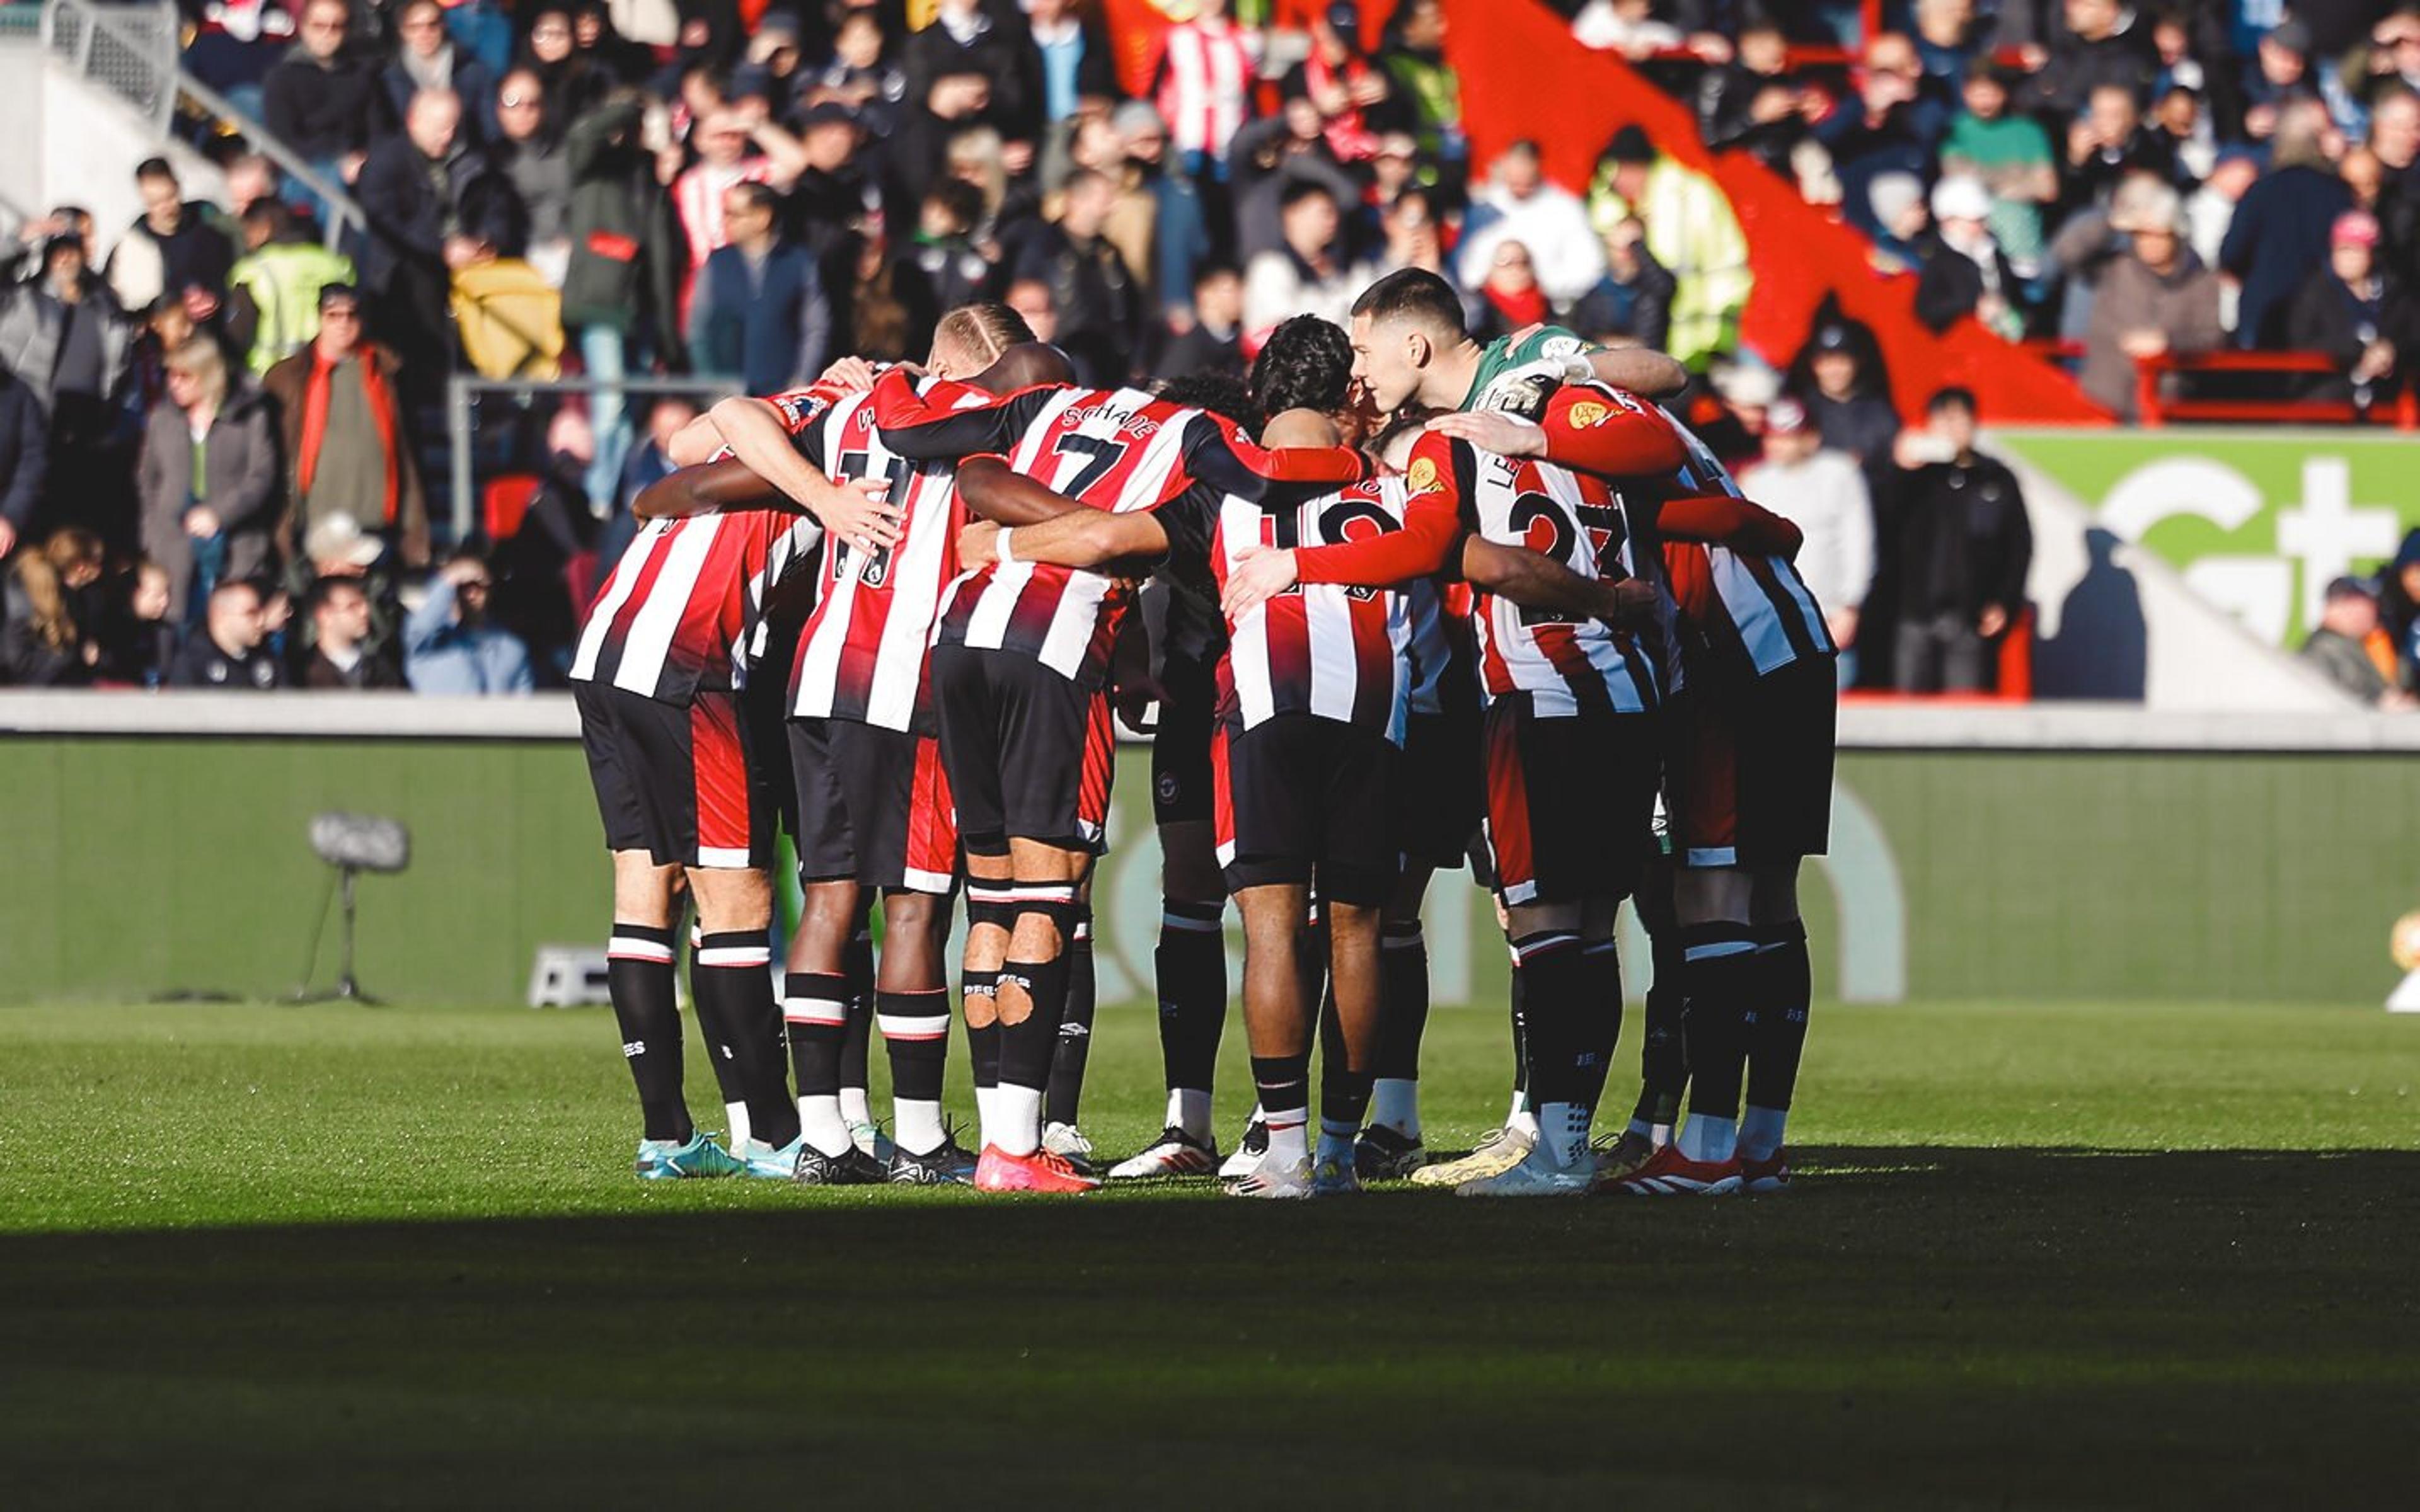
(1399, 603)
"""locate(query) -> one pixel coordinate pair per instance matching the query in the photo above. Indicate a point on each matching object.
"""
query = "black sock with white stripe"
(1283, 1083)
(731, 975)
(816, 1004)
(1663, 1059)
(1403, 1021)
(640, 978)
(916, 1033)
(1190, 967)
(1559, 1032)
(1074, 1046)
(857, 1044)
(1719, 975)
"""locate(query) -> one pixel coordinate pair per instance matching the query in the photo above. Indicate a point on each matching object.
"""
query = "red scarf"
(315, 422)
(1526, 308)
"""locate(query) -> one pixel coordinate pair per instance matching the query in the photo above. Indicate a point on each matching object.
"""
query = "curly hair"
(1305, 365)
(1217, 394)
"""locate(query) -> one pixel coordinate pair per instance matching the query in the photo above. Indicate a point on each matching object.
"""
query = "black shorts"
(1027, 753)
(1440, 791)
(1303, 799)
(676, 780)
(1569, 801)
(874, 807)
(1751, 767)
(1180, 751)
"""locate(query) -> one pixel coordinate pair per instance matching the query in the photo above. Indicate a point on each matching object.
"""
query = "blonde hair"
(200, 358)
(43, 573)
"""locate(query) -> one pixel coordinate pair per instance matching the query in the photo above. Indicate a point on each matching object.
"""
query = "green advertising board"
(2258, 520)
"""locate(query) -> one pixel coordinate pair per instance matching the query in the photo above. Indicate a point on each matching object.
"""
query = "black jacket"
(324, 111)
(2325, 316)
(203, 665)
(1950, 284)
(408, 216)
(24, 451)
(1954, 538)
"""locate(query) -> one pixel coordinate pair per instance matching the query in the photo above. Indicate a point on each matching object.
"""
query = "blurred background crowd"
(224, 428)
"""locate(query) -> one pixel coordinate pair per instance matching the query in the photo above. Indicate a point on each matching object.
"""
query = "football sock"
(983, 1047)
(1601, 989)
(857, 1045)
(1707, 1138)
(916, 1033)
(1721, 972)
(1663, 1056)
(640, 978)
(1344, 1100)
(816, 1004)
(1336, 1140)
(1403, 1020)
(1516, 1004)
(1284, 1085)
(1565, 1069)
(731, 976)
(1777, 1029)
(1025, 1051)
(1190, 965)
(1189, 1110)
(1761, 1132)
(1073, 1045)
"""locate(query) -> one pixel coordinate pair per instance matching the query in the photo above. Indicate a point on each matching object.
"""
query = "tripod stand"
(347, 989)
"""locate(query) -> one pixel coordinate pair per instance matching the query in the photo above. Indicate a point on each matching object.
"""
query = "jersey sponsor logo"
(1561, 346)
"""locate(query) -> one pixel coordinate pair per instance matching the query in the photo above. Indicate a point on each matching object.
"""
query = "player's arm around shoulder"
(728, 484)
(1025, 521)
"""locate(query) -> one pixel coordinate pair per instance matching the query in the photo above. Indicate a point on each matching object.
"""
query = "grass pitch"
(2038, 1257)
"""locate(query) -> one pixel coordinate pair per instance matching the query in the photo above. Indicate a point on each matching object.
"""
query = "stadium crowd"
(212, 423)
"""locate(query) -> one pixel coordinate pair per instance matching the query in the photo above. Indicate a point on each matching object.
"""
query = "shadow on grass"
(1911, 1326)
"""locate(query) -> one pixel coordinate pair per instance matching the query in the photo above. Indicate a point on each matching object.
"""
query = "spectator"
(2277, 74)
(529, 151)
(448, 645)
(1202, 84)
(963, 40)
(274, 290)
(2360, 315)
(24, 457)
(1823, 494)
(1213, 341)
(1311, 274)
(207, 480)
(921, 149)
(2103, 44)
(2011, 154)
(622, 284)
(1510, 298)
(861, 80)
(230, 655)
(174, 248)
(2279, 235)
(2108, 142)
(723, 141)
(1072, 59)
(1965, 271)
(1632, 305)
(1628, 27)
(1520, 205)
(1948, 40)
(891, 311)
(1349, 90)
(318, 100)
(48, 637)
(1180, 232)
(2181, 128)
(759, 313)
(946, 250)
(649, 462)
(1839, 380)
(1099, 307)
(434, 204)
(835, 187)
(1413, 54)
(1267, 156)
(2399, 603)
(63, 334)
(429, 59)
(1693, 234)
(337, 546)
(1886, 128)
(574, 83)
(2151, 293)
(251, 179)
(338, 609)
(345, 436)
(1957, 548)
(137, 640)
(1902, 224)
(2393, 143)
(2349, 648)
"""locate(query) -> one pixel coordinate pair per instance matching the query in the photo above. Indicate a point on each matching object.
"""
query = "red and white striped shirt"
(1204, 86)
(1120, 450)
(1321, 649)
(682, 609)
(864, 652)
(1750, 604)
(1562, 665)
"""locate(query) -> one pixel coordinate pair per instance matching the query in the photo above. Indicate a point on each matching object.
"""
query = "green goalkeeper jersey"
(1505, 353)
